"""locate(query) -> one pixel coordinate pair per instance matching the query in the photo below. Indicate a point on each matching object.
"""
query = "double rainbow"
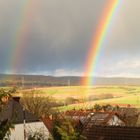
(99, 39)
(20, 39)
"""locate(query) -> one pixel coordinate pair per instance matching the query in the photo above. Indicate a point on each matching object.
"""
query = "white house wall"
(115, 121)
(18, 132)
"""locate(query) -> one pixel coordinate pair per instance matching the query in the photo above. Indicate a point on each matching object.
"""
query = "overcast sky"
(58, 36)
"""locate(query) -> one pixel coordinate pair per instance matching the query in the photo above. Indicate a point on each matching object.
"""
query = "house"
(103, 118)
(99, 125)
(103, 126)
(24, 122)
(96, 118)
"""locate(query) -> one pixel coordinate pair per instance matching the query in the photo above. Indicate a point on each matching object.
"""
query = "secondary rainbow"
(20, 36)
(99, 39)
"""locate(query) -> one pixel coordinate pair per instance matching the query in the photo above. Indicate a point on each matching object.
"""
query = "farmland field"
(90, 95)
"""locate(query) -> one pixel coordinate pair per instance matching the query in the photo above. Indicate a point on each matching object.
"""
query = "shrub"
(71, 100)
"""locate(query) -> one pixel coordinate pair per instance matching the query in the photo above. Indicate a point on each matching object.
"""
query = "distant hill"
(40, 80)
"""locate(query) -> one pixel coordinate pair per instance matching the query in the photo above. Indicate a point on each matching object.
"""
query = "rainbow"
(21, 34)
(99, 39)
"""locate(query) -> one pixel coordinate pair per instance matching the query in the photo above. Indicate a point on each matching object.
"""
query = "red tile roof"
(112, 133)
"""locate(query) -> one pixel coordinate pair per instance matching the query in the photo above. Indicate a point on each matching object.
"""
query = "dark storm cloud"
(59, 35)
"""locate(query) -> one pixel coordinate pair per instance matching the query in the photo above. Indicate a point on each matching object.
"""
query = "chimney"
(17, 99)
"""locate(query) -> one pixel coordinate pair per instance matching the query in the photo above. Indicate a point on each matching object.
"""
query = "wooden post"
(24, 124)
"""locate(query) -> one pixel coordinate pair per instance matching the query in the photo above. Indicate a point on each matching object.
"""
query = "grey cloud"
(59, 34)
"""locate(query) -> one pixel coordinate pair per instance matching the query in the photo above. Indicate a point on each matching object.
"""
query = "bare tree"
(37, 105)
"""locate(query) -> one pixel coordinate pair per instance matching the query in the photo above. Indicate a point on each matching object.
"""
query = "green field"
(134, 101)
(121, 95)
(81, 91)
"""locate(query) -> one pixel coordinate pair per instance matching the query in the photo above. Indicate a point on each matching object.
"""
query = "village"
(69, 70)
(38, 121)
